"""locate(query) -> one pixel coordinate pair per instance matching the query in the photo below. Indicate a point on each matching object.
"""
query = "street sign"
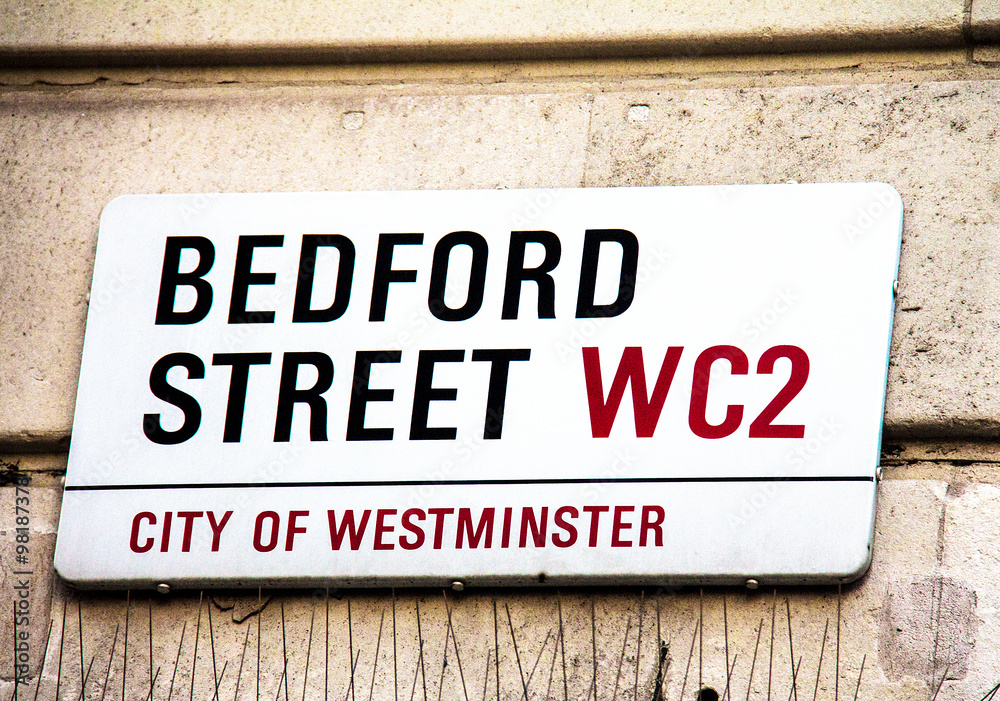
(607, 385)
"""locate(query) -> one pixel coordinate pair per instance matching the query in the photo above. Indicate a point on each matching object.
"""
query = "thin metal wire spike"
(243, 656)
(729, 676)
(420, 638)
(562, 647)
(791, 649)
(496, 647)
(62, 640)
(350, 648)
(638, 650)
(621, 657)
(836, 678)
(111, 657)
(444, 662)
(284, 651)
(662, 665)
(152, 681)
(659, 636)
(753, 662)
(45, 652)
(378, 644)
(593, 647)
(725, 632)
(991, 693)
(517, 655)
(86, 677)
(281, 679)
(454, 642)
(538, 658)
(552, 667)
(819, 667)
(354, 666)
(423, 664)
(395, 662)
(215, 696)
(128, 610)
(795, 672)
(416, 673)
(701, 635)
(941, 683)
(326, 663)
(486, 676)
(858, 687)
(687, 667)
(194, 659)
(211, 640)
(770, 656)
(305, 675)
(79, 621)
(177, 661)
(260, 614)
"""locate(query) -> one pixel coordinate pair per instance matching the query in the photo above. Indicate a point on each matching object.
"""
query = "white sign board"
(642, 385)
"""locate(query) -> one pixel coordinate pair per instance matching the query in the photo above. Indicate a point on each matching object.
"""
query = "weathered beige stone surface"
(312, 31)
(985, 17)
(67, 153)
(971, 534)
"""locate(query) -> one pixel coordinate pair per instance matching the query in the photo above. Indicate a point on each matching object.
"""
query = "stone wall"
(103, 99)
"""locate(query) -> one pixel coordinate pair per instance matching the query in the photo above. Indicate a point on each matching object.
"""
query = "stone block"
(970, 555)
(985, 18)
(928, 626)
(310, 31)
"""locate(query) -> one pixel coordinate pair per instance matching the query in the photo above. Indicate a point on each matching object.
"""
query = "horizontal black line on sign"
(437, 483)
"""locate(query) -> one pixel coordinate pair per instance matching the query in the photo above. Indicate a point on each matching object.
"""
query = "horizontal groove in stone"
(75, 33)
(56, 56)
(984, 17)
